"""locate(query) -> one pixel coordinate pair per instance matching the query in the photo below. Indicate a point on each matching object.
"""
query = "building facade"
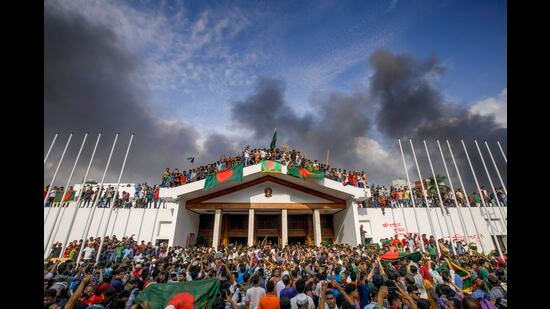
(277, 208)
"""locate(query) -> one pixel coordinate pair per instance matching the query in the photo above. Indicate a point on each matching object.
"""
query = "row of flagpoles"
(445, 214)
(56, 222)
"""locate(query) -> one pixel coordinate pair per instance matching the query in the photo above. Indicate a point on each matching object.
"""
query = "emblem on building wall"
(268, 192)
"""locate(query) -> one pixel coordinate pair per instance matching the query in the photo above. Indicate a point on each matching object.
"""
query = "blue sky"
(194, 59)
(204, 54)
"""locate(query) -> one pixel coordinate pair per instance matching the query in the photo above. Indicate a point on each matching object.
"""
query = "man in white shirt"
(301, 298)
(88, 252)
(254, 294)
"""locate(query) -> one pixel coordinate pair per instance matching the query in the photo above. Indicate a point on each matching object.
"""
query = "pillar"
(217, 228)
(317, 227)
(251, 227)
(284, 226)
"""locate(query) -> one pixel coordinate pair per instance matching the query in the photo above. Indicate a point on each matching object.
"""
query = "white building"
(297, 210)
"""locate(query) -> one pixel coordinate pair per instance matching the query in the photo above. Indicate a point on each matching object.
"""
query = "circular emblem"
(268, 192)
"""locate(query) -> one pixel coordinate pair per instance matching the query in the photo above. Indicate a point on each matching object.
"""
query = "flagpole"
(50, 149)
(496, 169)
(116, 191)
(328, 152)
(466, 199)
(94, 204)
(62, 208)
(78, 200)
(441, 201)
(428, 210)
(412, 197)
(458, 208)
(502, 151)
(499, 206)
(155, 221)
(53, 179)
(482, 200)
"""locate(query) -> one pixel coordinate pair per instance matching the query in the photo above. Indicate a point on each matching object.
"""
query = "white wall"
(134, 217)
(186, 222)
(346, 226)
(380, 226)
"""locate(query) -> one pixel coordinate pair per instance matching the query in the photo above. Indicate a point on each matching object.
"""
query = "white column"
(251, 227)
(217, 228)
(284, 226)
(317, 227)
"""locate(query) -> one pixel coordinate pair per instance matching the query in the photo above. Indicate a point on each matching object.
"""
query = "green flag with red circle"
(186, 294)
(235, 173)
(302, 172)
(270, 166)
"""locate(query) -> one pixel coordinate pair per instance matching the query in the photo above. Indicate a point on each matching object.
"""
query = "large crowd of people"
(269, 276)
(287, 157)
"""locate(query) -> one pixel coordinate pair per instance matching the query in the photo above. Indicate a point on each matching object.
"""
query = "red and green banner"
(227, 175)
(187, 294)
(270, 166)
(301, 172)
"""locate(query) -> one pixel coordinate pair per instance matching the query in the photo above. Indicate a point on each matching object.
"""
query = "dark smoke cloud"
(338, 119)
(409, 105)
(89, 86)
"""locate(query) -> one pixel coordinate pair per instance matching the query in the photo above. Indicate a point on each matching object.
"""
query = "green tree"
(432, 190)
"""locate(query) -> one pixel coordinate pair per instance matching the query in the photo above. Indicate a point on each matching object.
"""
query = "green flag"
(273, 141)
(191, 159)
(269, 166)
(233, 173)
(301, 172)
(187, 294)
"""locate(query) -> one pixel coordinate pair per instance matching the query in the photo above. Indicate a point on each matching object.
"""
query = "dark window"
(206, 222)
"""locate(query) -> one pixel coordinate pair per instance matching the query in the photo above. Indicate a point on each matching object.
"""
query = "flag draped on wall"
(270, 166)
(301, 172)
(187, 294)
(227, 175)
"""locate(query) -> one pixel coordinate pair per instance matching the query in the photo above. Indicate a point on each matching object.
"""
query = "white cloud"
(497, 106)
(180, 53)
(384, 165)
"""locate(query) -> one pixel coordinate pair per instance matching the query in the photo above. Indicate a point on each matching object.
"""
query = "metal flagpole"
(103, 210)
(488, 218)
(412, 197)
(50, 149)
(78, 200)
(116, 215)
(111, 210)
(61, 208)
(94, 204)
(428, 211)
(141, 224)
(441, 201)
(53, 179)
(458, 207)
(492, 186)
(155, 222)
(502, 151)
(496, 169)
(466, 199)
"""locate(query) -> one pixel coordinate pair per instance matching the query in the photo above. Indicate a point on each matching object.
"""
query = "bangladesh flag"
(187, 294)
(301, 172)
(233, 173)
(269, 166)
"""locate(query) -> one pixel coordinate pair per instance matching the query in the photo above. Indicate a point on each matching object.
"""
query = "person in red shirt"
(425, 270)
(269, 300)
